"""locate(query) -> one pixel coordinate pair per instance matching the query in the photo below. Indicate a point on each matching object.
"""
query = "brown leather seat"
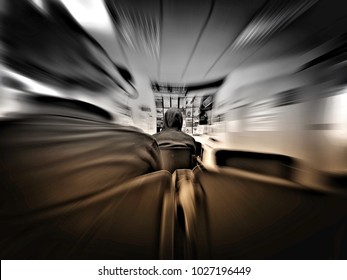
(133, 220)
(242, 217)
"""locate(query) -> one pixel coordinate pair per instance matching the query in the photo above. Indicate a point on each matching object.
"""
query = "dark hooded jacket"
(171, 134)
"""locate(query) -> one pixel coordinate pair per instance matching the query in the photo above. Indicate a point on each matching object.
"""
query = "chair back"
(176, 158)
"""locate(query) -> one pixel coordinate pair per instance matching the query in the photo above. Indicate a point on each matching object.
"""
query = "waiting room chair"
(177, 158)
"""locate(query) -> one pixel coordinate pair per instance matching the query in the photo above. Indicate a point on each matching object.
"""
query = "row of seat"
(250, 209)
(189, 214)
(195, 214)
(241, 215)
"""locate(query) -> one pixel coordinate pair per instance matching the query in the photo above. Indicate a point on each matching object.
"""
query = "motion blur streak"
(60, 169)
(261, 87)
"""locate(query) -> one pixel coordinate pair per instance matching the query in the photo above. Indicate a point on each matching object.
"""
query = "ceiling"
(194, 42)
(181, 42)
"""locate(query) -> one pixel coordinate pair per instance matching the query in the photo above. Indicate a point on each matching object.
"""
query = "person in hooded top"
(171, 134)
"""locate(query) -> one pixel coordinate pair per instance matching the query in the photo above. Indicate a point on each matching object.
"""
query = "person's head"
(173, 119)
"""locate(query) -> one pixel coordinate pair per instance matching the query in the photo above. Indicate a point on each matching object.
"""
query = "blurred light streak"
(31, 86)
(274, 17)
(90, 14)
(138, 30)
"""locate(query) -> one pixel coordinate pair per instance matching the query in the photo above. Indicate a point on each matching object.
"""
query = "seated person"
(62, 149)
(54, 164)
(67, 149)
(58, 155)
(171, 134)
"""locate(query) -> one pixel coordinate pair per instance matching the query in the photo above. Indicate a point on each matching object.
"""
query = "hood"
(173, 119)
